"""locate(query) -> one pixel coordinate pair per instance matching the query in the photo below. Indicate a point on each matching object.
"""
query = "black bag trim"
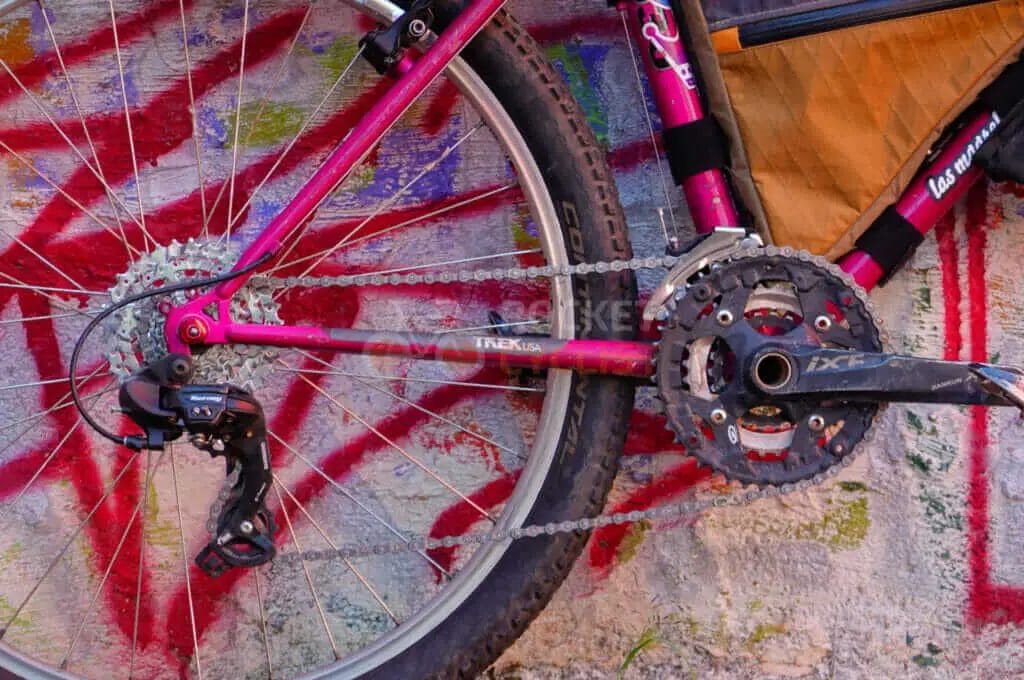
(695, 147)
(1005, 91)
(890, 240)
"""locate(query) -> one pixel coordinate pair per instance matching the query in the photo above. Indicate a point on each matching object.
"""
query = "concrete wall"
(907, 566)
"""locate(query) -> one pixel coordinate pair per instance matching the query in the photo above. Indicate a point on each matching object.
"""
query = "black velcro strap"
(1005, 91)
(695, 147)
(890, 240)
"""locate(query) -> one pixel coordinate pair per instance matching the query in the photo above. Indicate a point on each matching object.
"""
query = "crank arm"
(815, 373)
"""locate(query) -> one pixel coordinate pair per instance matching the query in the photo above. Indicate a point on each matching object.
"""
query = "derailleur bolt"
(719, 416)
(725, 318)
(418, 28)
(823, 323)
(246, 527)
(816, 423)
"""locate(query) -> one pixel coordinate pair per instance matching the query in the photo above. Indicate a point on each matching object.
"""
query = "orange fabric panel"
(836, 124)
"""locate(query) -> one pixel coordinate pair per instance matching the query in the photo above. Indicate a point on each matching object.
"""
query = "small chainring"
(714, 329)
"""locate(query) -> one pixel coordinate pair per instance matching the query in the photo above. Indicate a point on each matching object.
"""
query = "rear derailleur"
(222, 420)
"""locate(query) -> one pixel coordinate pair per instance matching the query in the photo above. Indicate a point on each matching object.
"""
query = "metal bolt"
(719, 416)
(417, 28)
(823, 323)
(838, 449)
(725, 318)
(662, 314)
(816, 423)
(193, 332)
(246, 527)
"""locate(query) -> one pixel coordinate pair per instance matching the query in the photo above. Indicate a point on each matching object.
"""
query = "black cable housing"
(139, 441)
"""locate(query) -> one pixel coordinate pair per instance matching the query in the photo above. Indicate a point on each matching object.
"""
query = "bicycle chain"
(745, 496)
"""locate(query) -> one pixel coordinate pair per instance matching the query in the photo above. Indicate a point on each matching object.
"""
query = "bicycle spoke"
(185, 563)
(36, 103)
(334, 546)
(278, 77)
(49, 458)
(388, 204)
(45, 261)
(295, 140)
(344, 492)
(424, 410)
(17, 612)
(64, 194)
(305, 570)
(263, 624)
(405, 454)
(20, 285)
(47, 317)
(192, 112)
(395, 378)
(64, 402)
(128, 123)
(238, 119)
(142, 552)
(46, 462)
(85, 128)
(38, 383)
(436, 213)
(41, 291)
(103, 581)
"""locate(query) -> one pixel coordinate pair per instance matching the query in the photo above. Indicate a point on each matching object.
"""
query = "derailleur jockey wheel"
(716, 367)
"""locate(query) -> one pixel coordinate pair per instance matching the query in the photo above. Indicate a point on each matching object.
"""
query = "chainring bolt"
(719, 416)
(823, 323)
(816, 423)
(702, 292)
(725, 318)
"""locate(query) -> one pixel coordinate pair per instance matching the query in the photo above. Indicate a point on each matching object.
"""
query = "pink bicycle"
(404, 313)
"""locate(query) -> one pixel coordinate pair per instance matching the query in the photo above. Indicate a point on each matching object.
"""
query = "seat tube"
(658, 37)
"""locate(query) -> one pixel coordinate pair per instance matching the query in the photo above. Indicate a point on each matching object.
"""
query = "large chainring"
(136, 333)
(714, 330)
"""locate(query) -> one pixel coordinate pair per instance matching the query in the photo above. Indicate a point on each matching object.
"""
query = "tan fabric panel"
(836, 124)
(718, 102)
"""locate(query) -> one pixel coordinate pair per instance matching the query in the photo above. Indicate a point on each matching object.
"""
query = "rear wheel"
(120, 146)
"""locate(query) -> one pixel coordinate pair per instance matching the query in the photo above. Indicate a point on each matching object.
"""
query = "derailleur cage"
(222, 420)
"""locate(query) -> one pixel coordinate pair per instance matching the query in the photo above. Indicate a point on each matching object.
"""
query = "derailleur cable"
(138, 442)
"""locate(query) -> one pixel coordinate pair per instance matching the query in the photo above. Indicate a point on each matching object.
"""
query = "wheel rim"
(98, 576)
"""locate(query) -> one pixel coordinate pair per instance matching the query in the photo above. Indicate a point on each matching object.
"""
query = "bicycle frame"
(656, 30)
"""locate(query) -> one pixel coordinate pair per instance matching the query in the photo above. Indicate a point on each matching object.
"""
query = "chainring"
(136, 333)
(714, 329)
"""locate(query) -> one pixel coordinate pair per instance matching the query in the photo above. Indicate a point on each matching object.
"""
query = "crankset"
(224, 421)
(772, 368)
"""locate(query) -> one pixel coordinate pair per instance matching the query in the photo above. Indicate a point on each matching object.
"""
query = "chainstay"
(740, 496)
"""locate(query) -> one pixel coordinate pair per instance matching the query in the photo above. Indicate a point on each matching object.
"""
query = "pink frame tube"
(936, 189)
(414, 79)
(674, 85)
(605, 357)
